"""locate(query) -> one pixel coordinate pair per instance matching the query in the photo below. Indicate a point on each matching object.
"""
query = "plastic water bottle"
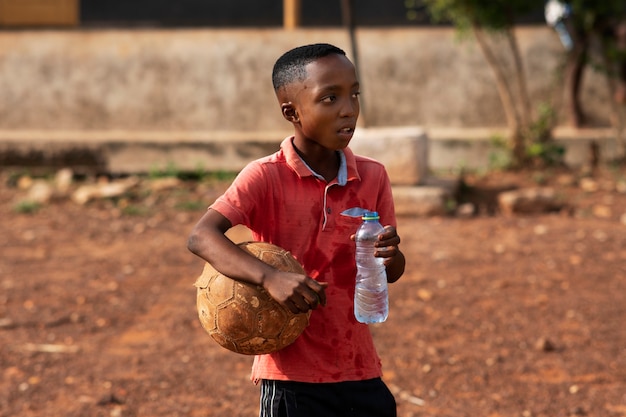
(371, 303)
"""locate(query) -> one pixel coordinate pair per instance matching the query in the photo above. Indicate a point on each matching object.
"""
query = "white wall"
(219, 80)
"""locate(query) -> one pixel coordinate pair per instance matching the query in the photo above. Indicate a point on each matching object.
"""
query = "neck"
(324, 161)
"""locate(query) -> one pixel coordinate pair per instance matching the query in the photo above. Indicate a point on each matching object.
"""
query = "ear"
(289, 112)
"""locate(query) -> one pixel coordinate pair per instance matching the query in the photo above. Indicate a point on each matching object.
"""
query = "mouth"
(347, 131)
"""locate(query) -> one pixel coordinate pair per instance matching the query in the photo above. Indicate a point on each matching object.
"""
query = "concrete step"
(128, 152)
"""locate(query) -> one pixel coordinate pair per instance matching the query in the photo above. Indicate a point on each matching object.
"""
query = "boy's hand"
(387, 244)
(296, 292)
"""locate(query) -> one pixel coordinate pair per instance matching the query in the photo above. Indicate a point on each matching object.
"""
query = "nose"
(350, 107)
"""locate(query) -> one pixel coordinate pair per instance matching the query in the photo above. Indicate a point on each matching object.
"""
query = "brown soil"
(495, 316)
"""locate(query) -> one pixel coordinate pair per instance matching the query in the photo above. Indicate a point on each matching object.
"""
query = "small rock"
(161, 184)
(84, 193)
(63, 179)
(589, 185)
(90, 192)
(545, 345)
(24, 182)
(110, 399)
(424, 294)
(466, 210)
(575, 259)
(528, 200)
(602, 211)
(600, 235)
(6, 322)
(566, 180)
(40, 192)
(29, 235)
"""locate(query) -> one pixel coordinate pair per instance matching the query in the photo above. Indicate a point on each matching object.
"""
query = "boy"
(293, 199)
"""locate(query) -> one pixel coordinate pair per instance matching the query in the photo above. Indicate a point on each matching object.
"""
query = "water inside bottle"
(371, 305)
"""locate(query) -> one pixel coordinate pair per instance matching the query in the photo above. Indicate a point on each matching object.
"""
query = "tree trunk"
(573, 74)
(506, 97)
(520, 76)
(620, 92)
(611, 86)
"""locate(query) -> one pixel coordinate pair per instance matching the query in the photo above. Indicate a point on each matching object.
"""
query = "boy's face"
(326, 103)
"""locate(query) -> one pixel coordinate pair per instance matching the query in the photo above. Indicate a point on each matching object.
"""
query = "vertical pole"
(291, 14)
(347, 13)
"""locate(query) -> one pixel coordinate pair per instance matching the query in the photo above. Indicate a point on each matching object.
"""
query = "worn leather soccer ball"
(242, 317)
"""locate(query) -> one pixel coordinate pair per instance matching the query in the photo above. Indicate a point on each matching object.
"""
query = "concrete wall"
(219, 80)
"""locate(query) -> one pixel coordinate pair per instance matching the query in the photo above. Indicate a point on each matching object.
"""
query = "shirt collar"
(347, 163)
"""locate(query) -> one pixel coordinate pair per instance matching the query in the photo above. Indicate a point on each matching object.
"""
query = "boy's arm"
(298, 293)
(395, 266)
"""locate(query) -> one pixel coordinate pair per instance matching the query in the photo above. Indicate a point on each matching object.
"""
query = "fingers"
(298, 304)
(290, 306)
(386, 252)
(389, 237)
(314, 296)
(297, 293)
(301, 303)
(320, 293)
(387, 245)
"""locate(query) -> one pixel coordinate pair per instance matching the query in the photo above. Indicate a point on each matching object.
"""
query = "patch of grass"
(500, 154)
(129, 209)
(170, 170)
(541, 148)
(198, 174)
(222, 175)
(450, 205)
(13, 177)
(26, 207)
(191, 205)
(134, 210)
(540, 177)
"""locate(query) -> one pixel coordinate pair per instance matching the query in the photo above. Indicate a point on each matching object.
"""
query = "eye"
(356, 94)
(329, 99)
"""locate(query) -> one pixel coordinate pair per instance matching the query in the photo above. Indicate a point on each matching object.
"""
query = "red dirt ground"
(495, 316)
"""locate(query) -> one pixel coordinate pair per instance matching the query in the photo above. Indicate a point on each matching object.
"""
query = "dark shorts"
(369, 398)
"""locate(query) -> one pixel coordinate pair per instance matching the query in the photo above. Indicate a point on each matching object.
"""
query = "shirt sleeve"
(245, 195)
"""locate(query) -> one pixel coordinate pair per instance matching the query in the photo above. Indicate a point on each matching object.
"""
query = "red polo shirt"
(283, 202)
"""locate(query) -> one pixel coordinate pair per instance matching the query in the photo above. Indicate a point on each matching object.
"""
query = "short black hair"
(290, 66)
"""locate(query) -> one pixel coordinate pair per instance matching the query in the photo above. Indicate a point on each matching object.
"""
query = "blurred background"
(94, 69)
(501, 124)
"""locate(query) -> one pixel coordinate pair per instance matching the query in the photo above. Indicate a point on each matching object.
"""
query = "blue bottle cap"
(371, 215)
